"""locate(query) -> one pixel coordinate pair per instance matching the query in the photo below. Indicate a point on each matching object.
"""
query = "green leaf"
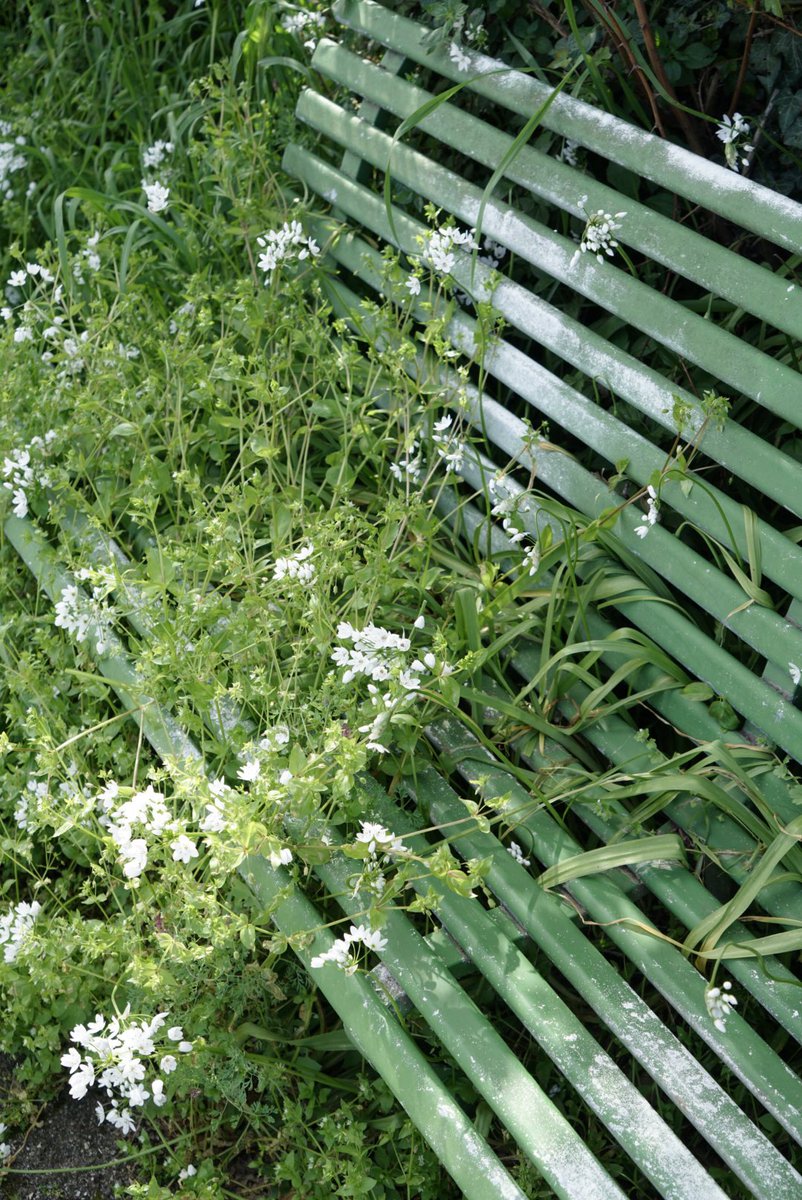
(661, 847)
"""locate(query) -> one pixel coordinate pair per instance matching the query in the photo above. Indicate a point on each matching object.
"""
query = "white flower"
(134, 858)
(652, 513)
(597, 236)
(214, 821)
(154, 156)
(287, 243)
(378, 839)
(281, 858)
(157, 1091)
(250, 771)
(341, 952)
(731, 132)
(413, 284)
(189, 1170)
(184, 1047)
(183, 849)
(20, 503)
(459, 58)
(795, 673)
(517, 853)
(438, 247)
(16, 926)
(167, 1064)
(157, 195)
(175, 1034)
(296, 566)
(719, 1003)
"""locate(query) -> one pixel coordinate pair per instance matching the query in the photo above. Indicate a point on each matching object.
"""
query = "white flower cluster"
(79, 615)
(11, 160)
(130, 821)
(5, 1149)
(503, 509)
(216, 819)
(382, 846)
(598, 234)
(449, 449)
(286, 244)
(157, 196)
(410, 465)
(732, 133)
(35, 311)
(517, 853)
(88, 257)
(118, 1057)
(379, 841)
(16, 926)
(460, 59)
(21, 471)
(38, 805)
(298, 23)
(31, 270)
(383, 658)
(439, 247)
(153, 156)
(652, 513)
(177, 321)
(568, 153)
(343, 953)
(377, 654)
(720, 1002)
(296, 566)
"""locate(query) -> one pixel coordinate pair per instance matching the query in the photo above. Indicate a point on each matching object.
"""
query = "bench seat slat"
(757, 208)
(496, 1073)
(605, 1088)
(708, 1106)
(753, 1061)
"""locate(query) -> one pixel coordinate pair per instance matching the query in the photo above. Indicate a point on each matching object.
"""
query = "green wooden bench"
(661, 1027)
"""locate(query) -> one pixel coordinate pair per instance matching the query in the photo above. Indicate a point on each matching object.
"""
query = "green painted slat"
(494, 1070)
(707, 1105)
(715, 268)
(743, 367)
(765, 212)
(633, 1122)
(743, 1051)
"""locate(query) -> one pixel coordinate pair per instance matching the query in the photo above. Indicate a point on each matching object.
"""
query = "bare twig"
(688, 129)
(750, 33)
(601, 11)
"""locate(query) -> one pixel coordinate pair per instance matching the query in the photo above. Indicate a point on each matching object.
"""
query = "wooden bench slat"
(713, 267)
(733, 361)
(757, 208)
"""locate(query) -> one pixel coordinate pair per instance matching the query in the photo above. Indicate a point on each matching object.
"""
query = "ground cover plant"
(274, 482)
